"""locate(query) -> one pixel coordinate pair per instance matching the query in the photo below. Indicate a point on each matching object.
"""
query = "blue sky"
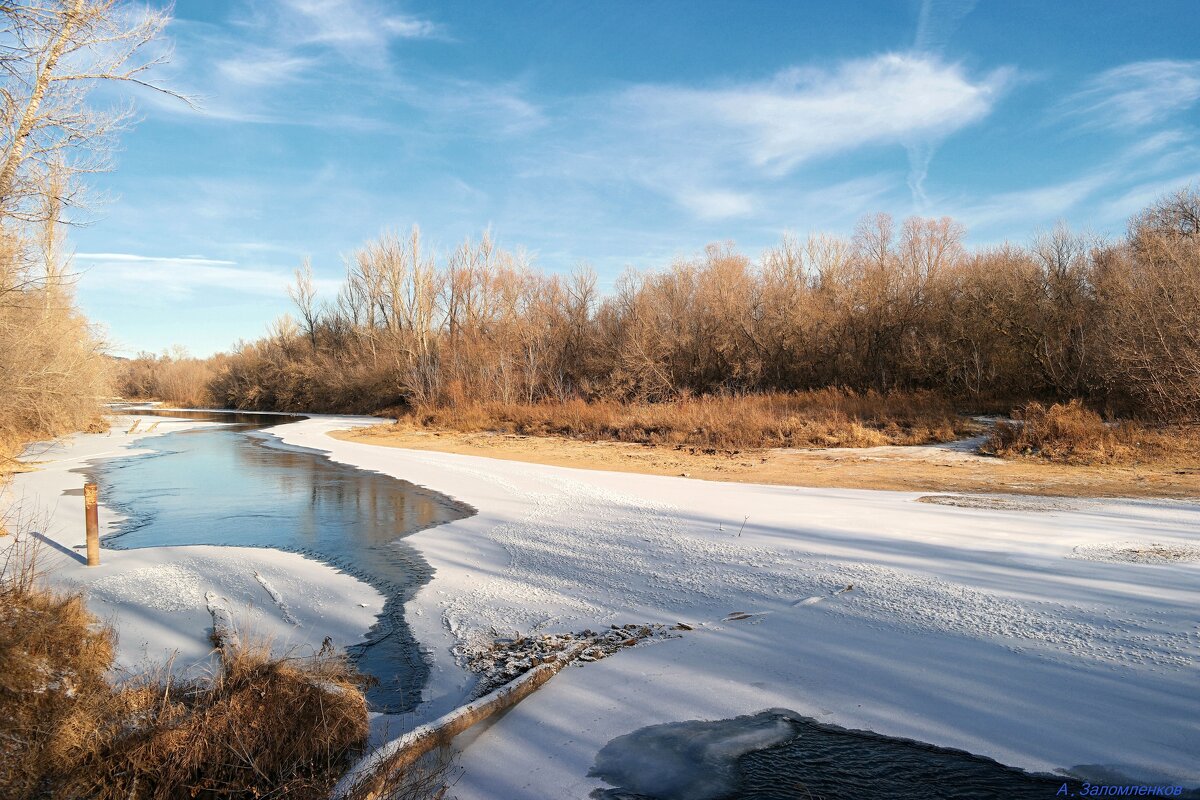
(616, 134)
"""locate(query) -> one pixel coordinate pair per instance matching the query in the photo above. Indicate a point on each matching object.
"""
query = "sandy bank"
(932, 468)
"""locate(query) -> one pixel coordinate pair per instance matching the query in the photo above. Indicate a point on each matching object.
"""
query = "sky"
(615, 134)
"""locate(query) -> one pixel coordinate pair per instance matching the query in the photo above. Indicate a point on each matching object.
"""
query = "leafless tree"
(55, 52)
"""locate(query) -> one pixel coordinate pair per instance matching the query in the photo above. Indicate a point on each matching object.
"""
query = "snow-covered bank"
(1000, 630)
(156, 597)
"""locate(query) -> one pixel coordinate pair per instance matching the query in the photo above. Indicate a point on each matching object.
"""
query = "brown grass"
(821, 418)
(260, 726)
(1070, 433)
(54, 663)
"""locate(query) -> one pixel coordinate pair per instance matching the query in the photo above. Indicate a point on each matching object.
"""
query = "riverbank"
(157, 598)
(1010, 627)
(951, 467)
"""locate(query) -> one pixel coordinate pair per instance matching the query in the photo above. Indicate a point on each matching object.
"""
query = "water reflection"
(221, 485)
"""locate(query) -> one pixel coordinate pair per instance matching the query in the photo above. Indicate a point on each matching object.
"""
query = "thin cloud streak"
(936, 23)
(179, 277)
(133, 258)
(1136, 95)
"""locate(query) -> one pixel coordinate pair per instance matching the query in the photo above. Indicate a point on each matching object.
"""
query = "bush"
(260, 726)
(172, 378)
(822, 418)
(55, 698)
(1070, 433)
(897, 307)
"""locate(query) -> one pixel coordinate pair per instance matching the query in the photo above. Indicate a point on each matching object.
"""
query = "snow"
(975, 625)
(156, 598)
(1007, 629)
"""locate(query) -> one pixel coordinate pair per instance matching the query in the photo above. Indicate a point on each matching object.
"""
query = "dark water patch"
(219, 485)
(780, 755)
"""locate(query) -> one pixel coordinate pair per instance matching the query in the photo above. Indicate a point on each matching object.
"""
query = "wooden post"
(93, 524)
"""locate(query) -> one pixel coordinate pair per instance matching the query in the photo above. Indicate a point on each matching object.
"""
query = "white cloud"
(1110, 191)
(1038, 203)
(1138, 94)
(937, 21)
(132, 258)
(495, 108)
(711, 204)
(263, 67)
(177, 277)
(805, 114)
(704, 148)
(358, 28)
(329, 64)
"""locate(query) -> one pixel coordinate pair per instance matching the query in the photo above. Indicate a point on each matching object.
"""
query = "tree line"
(893, 307)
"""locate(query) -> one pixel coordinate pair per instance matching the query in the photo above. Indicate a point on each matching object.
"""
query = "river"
(225, 484)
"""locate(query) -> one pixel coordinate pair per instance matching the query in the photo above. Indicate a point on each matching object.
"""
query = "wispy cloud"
(1111, 191)
(456, 104)
(137, 259)
(802, 114)
(293, 62)
(264, 66)
(937, 21)
(179, 277)
(710, 204)
(1137, 95)
(1038, 204)
(714, 150)
(356, 27)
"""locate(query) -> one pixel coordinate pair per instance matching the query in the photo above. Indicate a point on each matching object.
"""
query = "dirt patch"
(1139, 553)
(996, 503)
(949, 468)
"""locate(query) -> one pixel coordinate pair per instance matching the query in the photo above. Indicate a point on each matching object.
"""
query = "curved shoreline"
(968, 627)
(925, 468)
(155, 596)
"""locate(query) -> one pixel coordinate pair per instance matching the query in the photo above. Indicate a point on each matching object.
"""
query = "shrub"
(259, 726)
(173, 378)
(822, 418)
(55, 696)
(1068, 433)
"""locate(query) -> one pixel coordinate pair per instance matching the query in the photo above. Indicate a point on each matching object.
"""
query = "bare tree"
(304, 294)
(54, 53)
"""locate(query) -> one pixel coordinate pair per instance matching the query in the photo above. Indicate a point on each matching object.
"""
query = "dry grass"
(822, 418)
(260, 726)
(1070, 433)
(54, 664)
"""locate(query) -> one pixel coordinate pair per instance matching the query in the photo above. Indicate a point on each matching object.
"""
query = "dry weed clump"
(1070, 433)
(259, 726)
(54, 689)
(820, 418)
